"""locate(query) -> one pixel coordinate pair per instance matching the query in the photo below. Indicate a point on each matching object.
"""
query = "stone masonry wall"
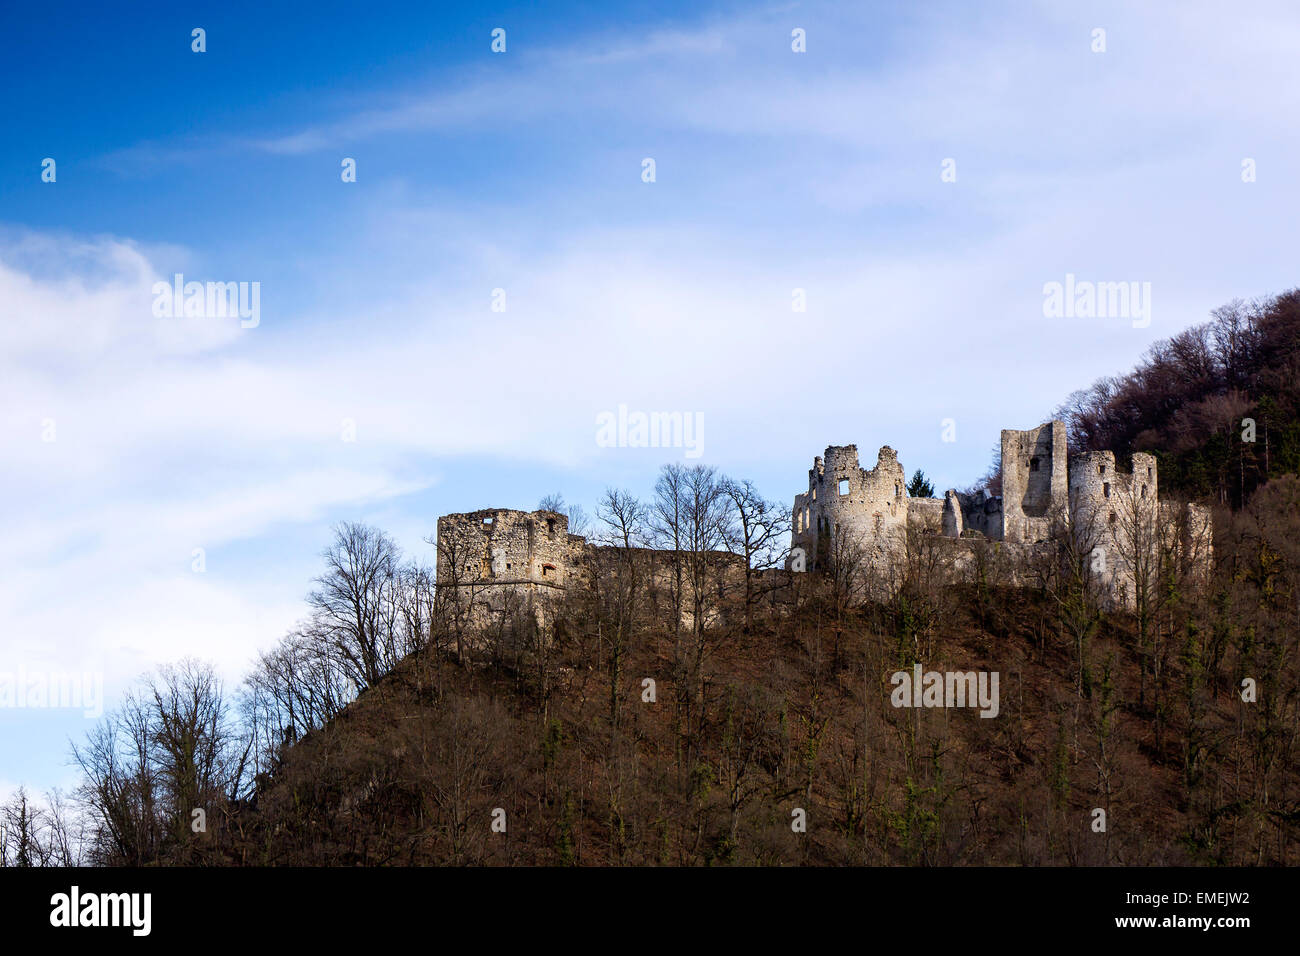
(848, 504)
(502, 546)
(1044, 491)
(1035, 487)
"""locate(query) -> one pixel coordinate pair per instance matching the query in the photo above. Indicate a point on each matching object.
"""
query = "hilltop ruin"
(1115, 516)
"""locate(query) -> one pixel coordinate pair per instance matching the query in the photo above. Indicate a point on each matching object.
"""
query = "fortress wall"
(1043, 491)
(925, 514)
(1035, 483)
(980, 514)
(503, 546)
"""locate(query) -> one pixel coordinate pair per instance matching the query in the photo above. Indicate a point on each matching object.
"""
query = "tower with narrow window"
(868, 518)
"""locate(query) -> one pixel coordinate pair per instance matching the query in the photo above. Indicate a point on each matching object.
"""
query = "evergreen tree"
(919, 486)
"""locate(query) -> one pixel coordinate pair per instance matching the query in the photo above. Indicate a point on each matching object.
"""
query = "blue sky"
(775, 170)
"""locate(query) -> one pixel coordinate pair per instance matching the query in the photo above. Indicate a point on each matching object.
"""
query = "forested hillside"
(387, 729)
(1186, 401)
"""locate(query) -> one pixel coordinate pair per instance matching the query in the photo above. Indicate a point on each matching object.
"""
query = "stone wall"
(966, 515)
(925, 514)
(849, 506)
(499, 560)
(500, 547)
(1116, 512)
(1035, 488)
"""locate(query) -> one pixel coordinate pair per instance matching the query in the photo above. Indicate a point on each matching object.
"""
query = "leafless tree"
(579, 522)
(759, 531)
(1068, 570)
(668, 523)
(201, 761)
(171, 748)
(35, 833)
(120, 789)
(1134, 539)
(355, 605)
(624, 519)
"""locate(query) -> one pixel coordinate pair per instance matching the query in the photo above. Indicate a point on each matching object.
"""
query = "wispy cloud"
(817, 171)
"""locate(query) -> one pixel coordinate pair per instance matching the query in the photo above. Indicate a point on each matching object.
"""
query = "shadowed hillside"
(664, 707)
(553, 727)
(1186, 401)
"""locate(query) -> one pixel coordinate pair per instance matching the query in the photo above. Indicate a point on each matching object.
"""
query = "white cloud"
(817, 170)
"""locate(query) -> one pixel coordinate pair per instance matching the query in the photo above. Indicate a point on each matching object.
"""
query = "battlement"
(1035, 485)
(1044, 492)
(842, 496)
(500, 546)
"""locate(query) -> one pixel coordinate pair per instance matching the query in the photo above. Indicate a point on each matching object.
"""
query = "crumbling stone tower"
(846, 505)
(498, 547)
(1035, 483)
(1116, 514)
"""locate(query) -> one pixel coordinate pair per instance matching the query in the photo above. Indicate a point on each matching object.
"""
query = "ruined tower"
(849, 506)
(502, 547)
(1035, 482)
(1116, 514)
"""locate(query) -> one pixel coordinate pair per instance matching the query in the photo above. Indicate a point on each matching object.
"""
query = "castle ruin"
(528, 551)
(498, 557)
(1115, 515)
(498, 560)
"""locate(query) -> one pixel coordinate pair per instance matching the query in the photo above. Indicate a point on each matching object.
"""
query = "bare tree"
(354, 603)
(1133, 528)
(759, 531)
(668, 525)
(33, 833)
(624, 518)
(579, 522)
(170, 749)
(1068, 571)
(119, 788)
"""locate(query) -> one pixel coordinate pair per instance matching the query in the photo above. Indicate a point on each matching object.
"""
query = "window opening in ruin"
(550, 526)
(1148, 472)
(487, 522)
(1144, 491)
(1033, 464)
(546, 568)
(844, 486)
(1112, 517)
(1105, 489)
(898, 490)
(1101, 469)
